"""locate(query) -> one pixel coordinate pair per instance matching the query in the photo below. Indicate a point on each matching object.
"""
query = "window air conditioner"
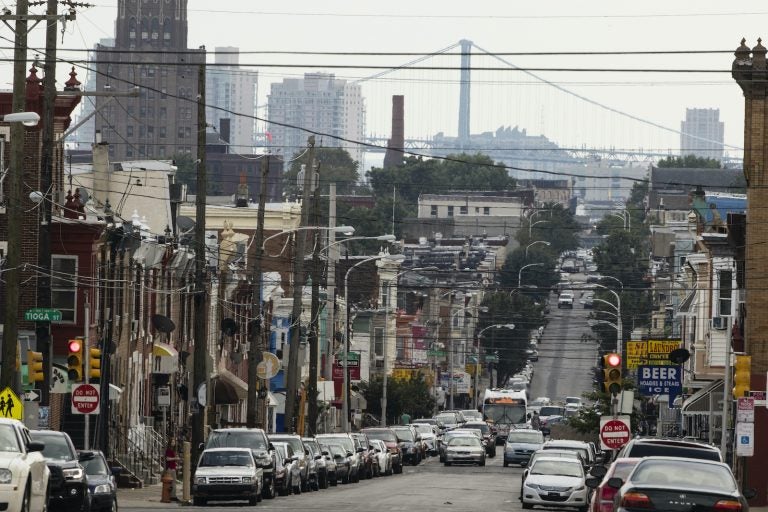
(720, 322)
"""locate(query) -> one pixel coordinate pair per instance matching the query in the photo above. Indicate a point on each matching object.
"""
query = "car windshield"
(449, 419)
(671, 450)
(423, 429)
(237, 439)
(282, 449)
(96, 466)
(464, 441)
(470, 413)
(56, 447)
(294, 442)
(312, 447)
(505, 414)
(581, 451)
(384, 435)
(482, 427)
(525, 437)
(404, 434)
(559, 455)
(8, 440)
(556, 467)
(342, 441)
(551, 410)
(684, 473)
(226, 458)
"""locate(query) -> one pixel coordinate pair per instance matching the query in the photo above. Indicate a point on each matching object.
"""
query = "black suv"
(653, 446)
(262, 450)
(68, 483)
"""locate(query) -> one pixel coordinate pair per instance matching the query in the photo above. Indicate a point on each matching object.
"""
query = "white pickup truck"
(565, 300)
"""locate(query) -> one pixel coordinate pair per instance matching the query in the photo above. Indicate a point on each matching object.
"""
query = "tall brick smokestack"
(396, 144)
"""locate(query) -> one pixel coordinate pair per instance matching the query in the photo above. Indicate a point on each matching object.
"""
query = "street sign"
(42, 315)
(745, 410)
(745, 439)
(614, 433)
(33, 395)
(85, 399)
(660, 380)
(353, 359)
(10, 405)
(759, 397)
(268, 367)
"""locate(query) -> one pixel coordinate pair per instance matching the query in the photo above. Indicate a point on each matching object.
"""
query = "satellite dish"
(229, 327)
(679, 356)
(163, 323)
(185, 224)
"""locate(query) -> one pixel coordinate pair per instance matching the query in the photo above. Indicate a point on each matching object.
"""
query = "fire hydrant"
(167, 480)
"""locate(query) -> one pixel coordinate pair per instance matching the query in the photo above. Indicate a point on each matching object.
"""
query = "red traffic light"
(613, 360)
(74, 346)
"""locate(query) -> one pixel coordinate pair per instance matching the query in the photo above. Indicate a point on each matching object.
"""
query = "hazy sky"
(499, 97)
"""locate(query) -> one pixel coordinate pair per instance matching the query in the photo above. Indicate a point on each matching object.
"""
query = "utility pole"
(330, 286)
(9, 373)
(43, 329)
(254, 414)
(200, 378)
(314, 331)
(294, 372)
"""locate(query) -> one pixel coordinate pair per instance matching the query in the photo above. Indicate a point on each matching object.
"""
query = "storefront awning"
(164, 350)
(699, 402)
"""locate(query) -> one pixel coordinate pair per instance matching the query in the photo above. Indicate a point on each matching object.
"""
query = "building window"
(129, 131)
(400, 348)
(433, 210)
(450, 211)
(378, 341)
(463, 210)
(161, 132)
(725, 293)
(487, 210)
(64, 287)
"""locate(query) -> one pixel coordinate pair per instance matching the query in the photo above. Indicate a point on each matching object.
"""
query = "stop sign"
(614, 434)
(85, 399)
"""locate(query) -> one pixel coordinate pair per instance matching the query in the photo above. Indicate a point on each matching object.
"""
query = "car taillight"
(727, 505)
(636, 500)
(606, 498)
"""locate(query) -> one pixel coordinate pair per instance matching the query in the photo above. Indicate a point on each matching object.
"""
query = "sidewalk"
(146, 497)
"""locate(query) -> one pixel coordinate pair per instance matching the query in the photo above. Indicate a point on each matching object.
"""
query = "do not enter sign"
(614, 433)
(85, 399)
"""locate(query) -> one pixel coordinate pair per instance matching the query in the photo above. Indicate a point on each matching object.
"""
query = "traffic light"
(612, 373)
(94, 362)
(34, 367)
(75, 360)
(742, 376)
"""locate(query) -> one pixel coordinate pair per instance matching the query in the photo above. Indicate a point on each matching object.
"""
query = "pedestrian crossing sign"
(10, 405)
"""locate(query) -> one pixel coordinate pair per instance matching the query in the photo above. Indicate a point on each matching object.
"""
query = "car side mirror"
(201, 446)
(750, 493)
(306, 451)
(377, 450)
(598, 471)
(615, 483)
(318, 457)
(35, 446)
(349, 454)
(271, 447)
(592, 482)
(116, 471)
(360, 450)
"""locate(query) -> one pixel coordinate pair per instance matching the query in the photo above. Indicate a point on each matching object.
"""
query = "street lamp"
(520, 273)
(345, 390)
(9, 376)
(617, 307)
(452, 348)
(477, 365)
(615, 279)
(337, 229)
(534, 243)
(531, 224)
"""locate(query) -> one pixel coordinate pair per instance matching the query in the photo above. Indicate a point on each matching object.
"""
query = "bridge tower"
(466, 55)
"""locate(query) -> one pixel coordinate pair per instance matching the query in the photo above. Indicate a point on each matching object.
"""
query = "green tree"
(335, 165)
(690, 162)
(543, 276)
(554, 224)
(411, 395)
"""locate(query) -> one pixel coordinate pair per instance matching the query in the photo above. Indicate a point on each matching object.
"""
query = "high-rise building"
(321, 103)
(150, 52)
(233, 89)
(702, 133)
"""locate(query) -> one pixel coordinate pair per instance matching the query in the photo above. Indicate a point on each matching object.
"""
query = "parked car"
(321, 468)
(68, 485)
(465, 448)
(306, 463)
(409, 443)
(603, 495)
(346, 442)
(520, 445)
(101, 483)
(388, 436)
(330, 465)
(442, 445)
(383, 458)
(342, 461)
(674, 483)
(489, 436)
(583, 448)
(556, 482)
(472, 415)
(367, 454)
(449, 420)
(648, 447)
(256, 440)
(227, 474)
(428, 437)
(23, 464)
(288, 474)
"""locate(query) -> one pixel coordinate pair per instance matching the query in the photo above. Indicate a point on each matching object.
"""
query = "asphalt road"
(429, 487)
(565, 361)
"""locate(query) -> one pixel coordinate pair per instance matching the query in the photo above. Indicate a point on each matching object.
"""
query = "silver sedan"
(465, 449)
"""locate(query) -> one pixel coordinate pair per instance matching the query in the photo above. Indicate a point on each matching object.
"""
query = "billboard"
(650, 352)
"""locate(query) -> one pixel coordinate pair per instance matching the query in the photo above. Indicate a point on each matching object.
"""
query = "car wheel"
(114, 505)
(269, 491)
(506, 464)
(199, 502)
(297, 489)
(482, 462)
(25, 503)
(333, 480)
(253, 500)
(527, 506)
(399, 468)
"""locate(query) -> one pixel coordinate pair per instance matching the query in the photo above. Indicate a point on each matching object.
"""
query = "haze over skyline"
(500, 96)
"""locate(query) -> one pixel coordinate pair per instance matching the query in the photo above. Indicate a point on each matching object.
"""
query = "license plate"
(553, 494)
